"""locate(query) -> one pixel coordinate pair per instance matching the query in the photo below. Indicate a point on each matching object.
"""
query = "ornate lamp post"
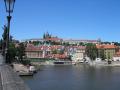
(9, 5)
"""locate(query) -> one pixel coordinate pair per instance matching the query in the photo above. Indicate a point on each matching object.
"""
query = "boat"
(59, 62)
(32, 69)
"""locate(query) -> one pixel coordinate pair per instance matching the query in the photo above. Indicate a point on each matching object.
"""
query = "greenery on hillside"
(91, 51)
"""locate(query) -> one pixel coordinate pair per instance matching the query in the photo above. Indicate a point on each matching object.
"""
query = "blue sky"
(77, 19)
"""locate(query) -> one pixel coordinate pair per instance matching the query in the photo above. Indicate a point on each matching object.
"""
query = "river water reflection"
(79, 77)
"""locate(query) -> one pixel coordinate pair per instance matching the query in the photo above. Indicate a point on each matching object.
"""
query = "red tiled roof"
(31, 47)
(106, 46)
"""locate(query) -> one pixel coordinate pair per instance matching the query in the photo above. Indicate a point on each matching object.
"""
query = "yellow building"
(109, 50)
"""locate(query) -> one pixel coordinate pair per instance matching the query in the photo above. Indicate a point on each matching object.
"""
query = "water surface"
(79, 77)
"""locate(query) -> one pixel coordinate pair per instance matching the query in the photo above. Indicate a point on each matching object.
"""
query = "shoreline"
(105, 63)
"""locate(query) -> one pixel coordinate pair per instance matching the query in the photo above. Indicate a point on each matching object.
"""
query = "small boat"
(32, 69)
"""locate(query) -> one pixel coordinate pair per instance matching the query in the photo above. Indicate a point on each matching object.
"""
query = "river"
(79, 77)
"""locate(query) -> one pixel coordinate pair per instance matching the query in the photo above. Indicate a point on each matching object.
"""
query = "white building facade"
(79, 55)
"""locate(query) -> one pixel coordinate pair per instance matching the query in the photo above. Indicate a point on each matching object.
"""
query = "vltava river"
(79, 77)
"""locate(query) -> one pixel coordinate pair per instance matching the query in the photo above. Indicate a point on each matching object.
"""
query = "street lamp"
(9, 5)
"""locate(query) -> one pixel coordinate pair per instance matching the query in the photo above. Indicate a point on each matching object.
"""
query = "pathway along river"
(79, 77)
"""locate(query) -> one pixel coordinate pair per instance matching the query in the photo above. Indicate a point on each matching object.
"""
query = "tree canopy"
(91, 51)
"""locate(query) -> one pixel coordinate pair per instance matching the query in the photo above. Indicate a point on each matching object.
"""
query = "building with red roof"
(44, 51)
(109, 50)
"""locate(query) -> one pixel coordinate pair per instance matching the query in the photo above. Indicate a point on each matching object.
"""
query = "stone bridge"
(9, 80)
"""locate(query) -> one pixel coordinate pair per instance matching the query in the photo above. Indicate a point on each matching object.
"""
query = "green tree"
(101, 54)
(66, 44)
(1, 43)
(81, 44)
(55, 51)
(116, 43)
(4, 38)
(4, 35)
(11, 38)
(91, 51)
(36, 43)
(12, 52)
(61, 51)
(21, 52)
(108, 56)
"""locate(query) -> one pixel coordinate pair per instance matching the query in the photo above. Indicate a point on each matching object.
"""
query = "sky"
(68, 19)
